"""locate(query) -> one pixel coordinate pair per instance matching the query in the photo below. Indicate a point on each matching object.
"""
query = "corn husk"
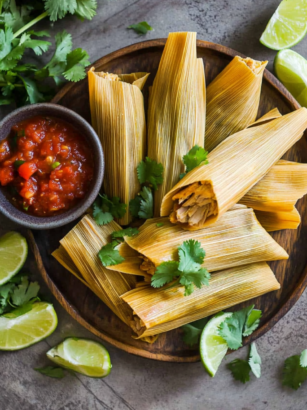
(279, 189)
(233, 99)
(234, 167)
(269, 116)
(236, 239)
(118, 117)
(176, 114)
(160, 310)
(65, 260)
(82, 244)
(276, 221)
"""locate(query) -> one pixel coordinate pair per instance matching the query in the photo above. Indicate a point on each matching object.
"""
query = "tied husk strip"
(82, 244)
(236, 239)
(161, 310)
(118, 117)
(177, 111)
(233, 99)
(279, 189)
(234, 167)
(276, 221)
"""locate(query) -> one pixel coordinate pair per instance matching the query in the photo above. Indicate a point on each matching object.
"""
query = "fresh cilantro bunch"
(108, 254)
(150, 175)
(193, 158)
(188, 270)
(105, 209)
(295, 370)
(239, 324)
(17, 296)
(240, 369)
(22, 83)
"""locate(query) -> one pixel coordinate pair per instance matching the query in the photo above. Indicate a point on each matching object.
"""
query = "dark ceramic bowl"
(53, 110)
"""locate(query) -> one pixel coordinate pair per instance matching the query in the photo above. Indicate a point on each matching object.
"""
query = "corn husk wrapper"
(118, 117)
(234, 167)
(276, 221)
(233, 99)
(269, 116)
(160, 310)
(236, 239)
(279, 189)
(82, 244)
(177, 111)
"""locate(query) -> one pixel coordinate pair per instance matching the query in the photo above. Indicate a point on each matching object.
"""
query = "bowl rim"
(50, 222)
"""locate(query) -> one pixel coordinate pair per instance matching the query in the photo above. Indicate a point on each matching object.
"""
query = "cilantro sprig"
(192, 331)
(150, 175)
(241, 369)
(105, 209)
(193, 159)
(140, 28)
(51, 371)
(188, 270)
(295, 370)
(22, 83)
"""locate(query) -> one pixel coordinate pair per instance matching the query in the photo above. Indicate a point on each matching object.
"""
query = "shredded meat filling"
(254, 65)
(137, 325)
(194, 204)
(147, 266)
(108, 76)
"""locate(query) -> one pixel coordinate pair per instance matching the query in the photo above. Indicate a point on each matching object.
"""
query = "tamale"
(118, 117)
(279, 189)
(65, 260)
(276, 221)
(237, 238)
(234, 167)
(233, 99)
(269, 116)
(176, 113)
(160, 310)
(82, 244)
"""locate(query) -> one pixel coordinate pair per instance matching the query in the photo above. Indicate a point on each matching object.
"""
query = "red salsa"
(46, 165)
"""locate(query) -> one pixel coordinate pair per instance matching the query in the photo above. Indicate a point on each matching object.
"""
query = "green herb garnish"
(142, 205)
(295, 371)
(192, 331)
(109, 255)
(51, 371)
(55, 165)
(105, 209)
(140, 28)
(18, 162)
(150, 172)
(124, 232)
(240, 369)
(159, 224)
(196, 156)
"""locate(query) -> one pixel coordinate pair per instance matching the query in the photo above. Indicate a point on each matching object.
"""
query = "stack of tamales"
(228, 205)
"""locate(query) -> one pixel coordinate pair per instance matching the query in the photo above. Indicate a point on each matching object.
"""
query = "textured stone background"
(136, 383)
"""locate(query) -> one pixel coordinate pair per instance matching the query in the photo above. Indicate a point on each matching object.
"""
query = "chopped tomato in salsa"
(46, 164)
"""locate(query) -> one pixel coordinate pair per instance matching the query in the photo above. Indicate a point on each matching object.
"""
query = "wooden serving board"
(84, 306)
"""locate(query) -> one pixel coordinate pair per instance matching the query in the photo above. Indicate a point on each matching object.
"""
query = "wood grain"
(84, 306)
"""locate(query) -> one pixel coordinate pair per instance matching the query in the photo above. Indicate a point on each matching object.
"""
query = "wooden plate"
(84, 306)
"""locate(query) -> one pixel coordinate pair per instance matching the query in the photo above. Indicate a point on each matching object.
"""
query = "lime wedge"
(83, 356)
(212, 346)
(291, 69)
(30, 328)
(13, 254)
(287, 26)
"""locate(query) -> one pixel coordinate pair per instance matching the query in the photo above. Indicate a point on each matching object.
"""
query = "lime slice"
(13, 254)
(291, 69)
(287, 26)
(212, 346)
(30, 328)
(83, 356)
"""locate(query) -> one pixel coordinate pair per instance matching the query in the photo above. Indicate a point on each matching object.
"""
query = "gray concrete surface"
(136, 383)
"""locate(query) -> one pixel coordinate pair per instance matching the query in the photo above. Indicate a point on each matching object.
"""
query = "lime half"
(212, 346)
(13, 254)
(83, 356)
(287, 26)
(30, 328)
(291, 69)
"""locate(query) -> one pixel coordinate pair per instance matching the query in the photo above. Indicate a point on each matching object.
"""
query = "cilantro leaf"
(105, 209)
(135, 206)
(24, 292)
(194, 158)
(33, 93)
(198, 278)
(240, 370)
(140, 28)
(146, 203)
(57, 9)
(165, 273)
(254, 360)
(191, 254)
(5, 294)
(252, 321)
(21, 310)
(303, 358)
(51, 371)
(6, 37)
(159, 224)
(86, 9)
(124, 232)
(77, 60)
(192, 331)
(149, 171)
(293, 373)
(109, 255)
(232, 328)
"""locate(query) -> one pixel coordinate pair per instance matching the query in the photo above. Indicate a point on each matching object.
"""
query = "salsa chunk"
(46, 165)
